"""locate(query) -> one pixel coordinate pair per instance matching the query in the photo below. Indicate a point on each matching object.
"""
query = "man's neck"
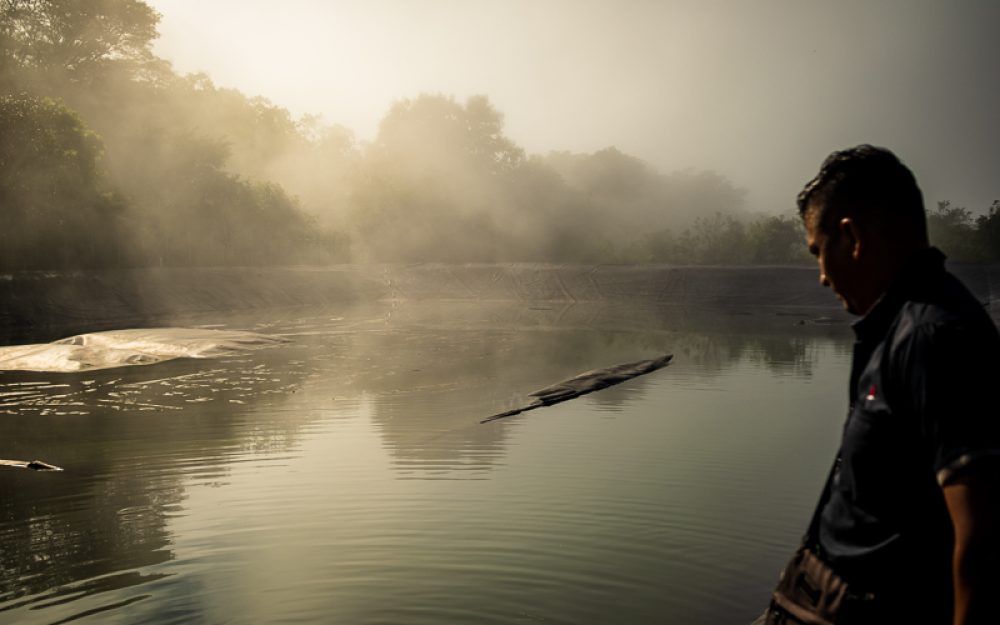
(887, 269)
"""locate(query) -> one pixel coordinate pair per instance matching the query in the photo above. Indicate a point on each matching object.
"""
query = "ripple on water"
(344, 477)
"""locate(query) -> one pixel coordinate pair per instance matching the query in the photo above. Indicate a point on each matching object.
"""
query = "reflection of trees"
(442, 367)
(439, 384)
(780, 354)
(715, 339)
(129, 440)
(111, 527)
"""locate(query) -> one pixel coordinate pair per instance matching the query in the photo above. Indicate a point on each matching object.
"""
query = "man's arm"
(973, 500)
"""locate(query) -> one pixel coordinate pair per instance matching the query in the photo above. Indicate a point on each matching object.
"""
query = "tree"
(988, 233)
(56, 207)
(952, 229)
(486, 143)
(720, 240)
(433, 183)
(777, 239)
(172, 187)
(76, 41)
(663, 246)
(190, 211)
(434, 134)
(608, 174)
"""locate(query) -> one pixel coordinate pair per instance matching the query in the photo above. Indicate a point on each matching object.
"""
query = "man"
(910, 519)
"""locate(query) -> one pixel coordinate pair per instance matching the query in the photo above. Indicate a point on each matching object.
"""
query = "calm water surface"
(343, 477)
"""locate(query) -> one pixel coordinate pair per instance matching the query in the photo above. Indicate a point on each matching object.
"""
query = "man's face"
(834, 252)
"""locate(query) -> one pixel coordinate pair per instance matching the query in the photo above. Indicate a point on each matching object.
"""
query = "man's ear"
(849, 229)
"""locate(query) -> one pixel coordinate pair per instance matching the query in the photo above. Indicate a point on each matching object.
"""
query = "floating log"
(586, 383)
(34, 465)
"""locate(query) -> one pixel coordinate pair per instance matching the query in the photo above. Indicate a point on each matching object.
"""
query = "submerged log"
(586, 383)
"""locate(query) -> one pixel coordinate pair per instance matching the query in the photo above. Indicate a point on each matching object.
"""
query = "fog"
(225, 134)
(758, 91)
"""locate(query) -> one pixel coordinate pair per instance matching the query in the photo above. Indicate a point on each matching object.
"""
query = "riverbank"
(46, 305)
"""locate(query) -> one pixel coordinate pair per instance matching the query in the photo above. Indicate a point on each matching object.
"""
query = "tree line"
(109, 158)
(965, 237)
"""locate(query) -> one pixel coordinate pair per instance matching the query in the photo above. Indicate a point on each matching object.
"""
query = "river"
(341, 474)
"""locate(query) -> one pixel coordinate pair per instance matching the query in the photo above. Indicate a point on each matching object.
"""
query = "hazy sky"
(759, 91)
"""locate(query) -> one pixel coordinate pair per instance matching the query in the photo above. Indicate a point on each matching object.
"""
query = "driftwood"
(35, 465)
(586, 383)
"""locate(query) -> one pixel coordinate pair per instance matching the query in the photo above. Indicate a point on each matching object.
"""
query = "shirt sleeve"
(953, 376)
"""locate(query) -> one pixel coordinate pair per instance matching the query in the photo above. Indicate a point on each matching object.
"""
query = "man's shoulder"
(944, 304)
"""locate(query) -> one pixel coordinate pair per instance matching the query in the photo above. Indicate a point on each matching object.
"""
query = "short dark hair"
(869, 184)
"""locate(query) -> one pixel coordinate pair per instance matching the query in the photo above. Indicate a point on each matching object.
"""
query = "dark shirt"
(923, 408)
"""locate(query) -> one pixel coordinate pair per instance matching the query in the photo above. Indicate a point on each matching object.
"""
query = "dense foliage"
(111, 159)
(104, 164)
(964, 237)
(52, 189)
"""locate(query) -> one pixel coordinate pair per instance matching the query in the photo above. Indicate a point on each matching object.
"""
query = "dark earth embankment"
(46, 305)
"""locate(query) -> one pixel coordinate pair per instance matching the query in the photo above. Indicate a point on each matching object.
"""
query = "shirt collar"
(876, 321)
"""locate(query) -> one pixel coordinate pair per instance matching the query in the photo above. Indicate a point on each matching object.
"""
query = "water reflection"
(130, 439)
(413, 379)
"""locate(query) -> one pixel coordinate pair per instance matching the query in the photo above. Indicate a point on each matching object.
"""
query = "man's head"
(864, 218)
